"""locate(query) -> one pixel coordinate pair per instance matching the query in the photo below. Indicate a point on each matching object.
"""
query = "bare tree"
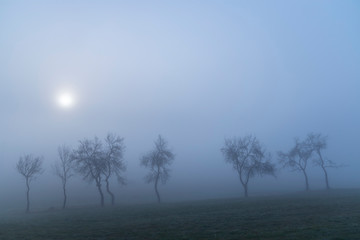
(114, 161)
(158, 161)
(90, 162)
(248, 158)
(63, 168)
(30, 167)
(319, 143)
(297, 158)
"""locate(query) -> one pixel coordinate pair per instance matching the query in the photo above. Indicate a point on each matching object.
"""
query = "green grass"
(317, 215)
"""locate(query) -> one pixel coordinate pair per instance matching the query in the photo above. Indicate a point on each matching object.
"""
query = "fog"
(194, 72)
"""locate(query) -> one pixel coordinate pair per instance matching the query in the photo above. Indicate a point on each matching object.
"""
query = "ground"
(321, 215)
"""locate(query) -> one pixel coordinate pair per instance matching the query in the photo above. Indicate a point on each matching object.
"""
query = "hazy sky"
(194, 71)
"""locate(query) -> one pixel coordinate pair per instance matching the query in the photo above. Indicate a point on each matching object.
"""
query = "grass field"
(321, 215)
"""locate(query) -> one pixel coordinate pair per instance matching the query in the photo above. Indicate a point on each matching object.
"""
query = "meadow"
(324, 215)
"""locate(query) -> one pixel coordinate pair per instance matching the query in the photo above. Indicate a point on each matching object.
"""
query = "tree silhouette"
(63, 169)
(157, 161)
(318, 143)
(90, 162)
(248, 158)
(29, 167)
(297, 158)
(114, 161)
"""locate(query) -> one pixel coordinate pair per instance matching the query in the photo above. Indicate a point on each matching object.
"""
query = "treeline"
(249, 158)
(97, 161)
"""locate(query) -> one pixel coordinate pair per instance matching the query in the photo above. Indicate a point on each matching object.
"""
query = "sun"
(65, 100)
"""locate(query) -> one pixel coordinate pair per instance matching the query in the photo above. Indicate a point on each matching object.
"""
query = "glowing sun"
(65, 100)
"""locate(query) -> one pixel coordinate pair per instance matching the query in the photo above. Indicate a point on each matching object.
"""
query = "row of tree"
(249, 158)
(97, 161)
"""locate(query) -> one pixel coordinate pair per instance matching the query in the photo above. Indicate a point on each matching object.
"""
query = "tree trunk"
(244, 184)
(306, 181)
(326, 178)
(65, 196)
(245, 190)
(109, 192)
(27, 195)
(98, 185)
(156, 190)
